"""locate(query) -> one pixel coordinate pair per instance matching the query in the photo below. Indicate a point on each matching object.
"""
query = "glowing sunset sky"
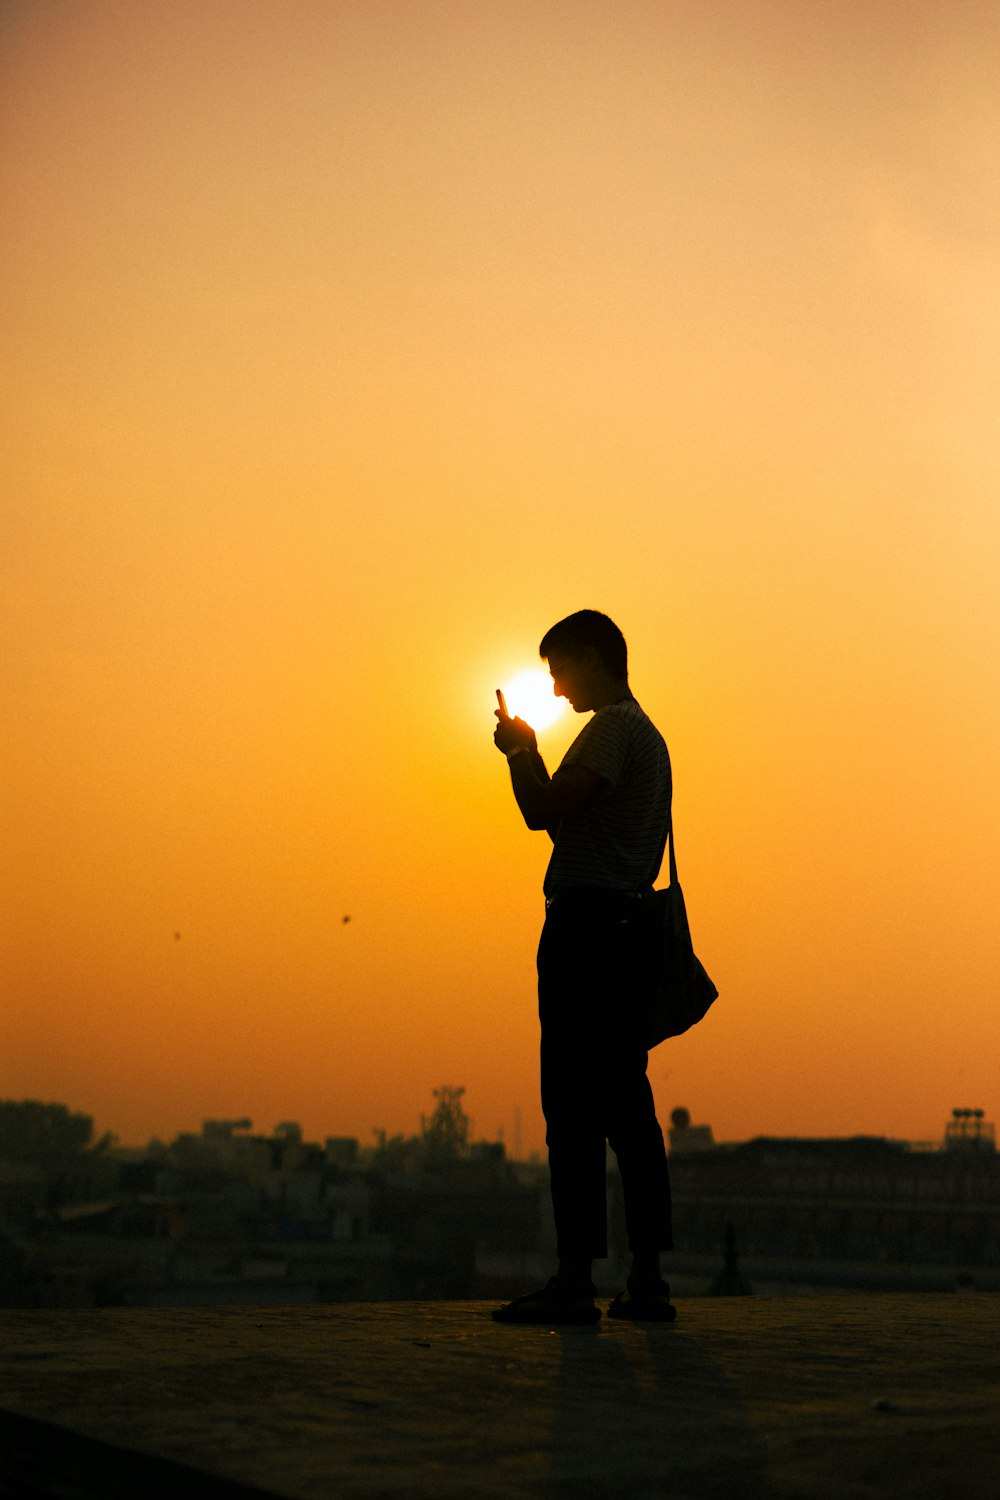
(346, 347)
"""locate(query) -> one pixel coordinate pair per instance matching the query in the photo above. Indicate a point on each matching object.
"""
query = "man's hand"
(513, 734)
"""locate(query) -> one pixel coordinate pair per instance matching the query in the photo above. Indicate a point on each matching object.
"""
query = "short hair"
(588, 627)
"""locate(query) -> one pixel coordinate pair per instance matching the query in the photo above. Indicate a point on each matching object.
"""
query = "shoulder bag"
(682, 990)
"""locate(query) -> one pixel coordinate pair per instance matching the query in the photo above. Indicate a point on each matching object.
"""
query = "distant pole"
(729, 1282)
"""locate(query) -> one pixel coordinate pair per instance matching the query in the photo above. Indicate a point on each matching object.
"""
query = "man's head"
(587, 658)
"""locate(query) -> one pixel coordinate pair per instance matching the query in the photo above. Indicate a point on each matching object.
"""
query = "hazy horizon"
(515, 1150)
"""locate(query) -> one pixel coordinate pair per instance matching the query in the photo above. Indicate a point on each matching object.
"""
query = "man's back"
(616, 840)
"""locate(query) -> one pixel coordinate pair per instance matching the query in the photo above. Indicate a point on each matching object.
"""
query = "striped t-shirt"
(615, 840)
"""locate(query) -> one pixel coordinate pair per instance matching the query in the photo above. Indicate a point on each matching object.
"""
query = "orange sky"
(348, 346)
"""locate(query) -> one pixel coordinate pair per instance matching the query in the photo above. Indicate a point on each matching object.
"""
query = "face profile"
(561, 673)
(583, 678)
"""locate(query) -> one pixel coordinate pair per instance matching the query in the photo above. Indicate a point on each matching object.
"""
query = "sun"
(530, 697)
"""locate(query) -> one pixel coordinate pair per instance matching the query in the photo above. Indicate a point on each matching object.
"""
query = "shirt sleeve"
(602, 746)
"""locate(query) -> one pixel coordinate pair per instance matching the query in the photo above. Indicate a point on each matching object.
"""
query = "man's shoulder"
(630, 714)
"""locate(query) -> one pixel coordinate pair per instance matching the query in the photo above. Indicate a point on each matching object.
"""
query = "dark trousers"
(593, 963)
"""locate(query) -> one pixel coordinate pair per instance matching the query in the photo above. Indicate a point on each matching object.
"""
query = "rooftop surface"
(826, 1396)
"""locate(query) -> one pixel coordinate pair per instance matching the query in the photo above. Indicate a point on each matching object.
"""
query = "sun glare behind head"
(530, 697)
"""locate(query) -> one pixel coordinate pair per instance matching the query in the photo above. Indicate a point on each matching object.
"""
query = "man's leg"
(636, 1138)
(572, 1086)
(576, 1145)
(574, 1135)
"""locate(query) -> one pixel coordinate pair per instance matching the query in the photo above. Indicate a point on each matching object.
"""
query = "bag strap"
(670, 845)
(667, 845)
(668, 837)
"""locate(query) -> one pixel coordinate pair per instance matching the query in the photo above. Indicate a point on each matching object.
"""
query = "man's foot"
(554, 1303)
(644, 1302)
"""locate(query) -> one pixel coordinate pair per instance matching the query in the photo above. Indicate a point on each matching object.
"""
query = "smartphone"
(501, 700)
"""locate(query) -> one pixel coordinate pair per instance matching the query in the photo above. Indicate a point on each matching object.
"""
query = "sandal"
(644, 1304)
(552, 1304)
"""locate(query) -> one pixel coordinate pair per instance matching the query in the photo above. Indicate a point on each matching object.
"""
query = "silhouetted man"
(606, 810)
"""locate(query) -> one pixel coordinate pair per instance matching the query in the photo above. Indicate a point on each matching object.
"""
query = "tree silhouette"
(47, 1135)
(446, 1133)
(443, 1139)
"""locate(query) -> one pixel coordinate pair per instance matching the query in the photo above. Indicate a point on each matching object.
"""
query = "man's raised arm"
(542, 800)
